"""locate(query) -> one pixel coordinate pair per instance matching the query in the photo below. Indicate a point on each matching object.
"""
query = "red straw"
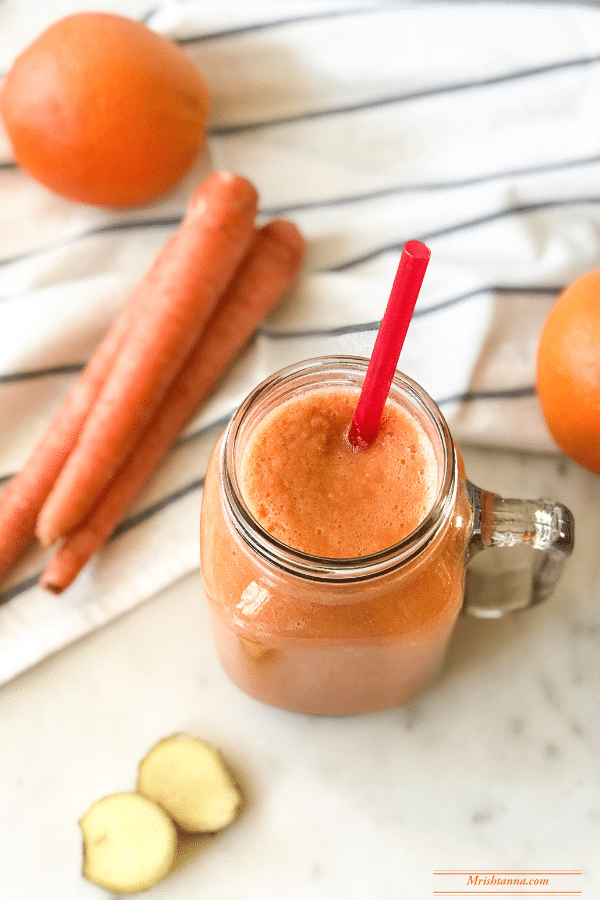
(390, 338)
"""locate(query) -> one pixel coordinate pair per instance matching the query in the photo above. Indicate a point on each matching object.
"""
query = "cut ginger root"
(189, 779)
(129, 843)
(133, 840)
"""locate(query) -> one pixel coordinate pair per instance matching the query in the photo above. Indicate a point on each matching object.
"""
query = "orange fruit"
(102, 110)
(568, 371)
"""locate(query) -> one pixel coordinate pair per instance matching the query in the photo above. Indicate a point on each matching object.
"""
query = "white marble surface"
(497, 767)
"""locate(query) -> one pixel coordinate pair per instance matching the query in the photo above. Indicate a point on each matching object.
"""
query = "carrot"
(179, 293)
(26, 492)
(261, 281)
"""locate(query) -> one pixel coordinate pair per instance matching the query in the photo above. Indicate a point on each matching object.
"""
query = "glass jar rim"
(327, 569)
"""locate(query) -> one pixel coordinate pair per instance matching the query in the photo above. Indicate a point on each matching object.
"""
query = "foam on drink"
(309, 488)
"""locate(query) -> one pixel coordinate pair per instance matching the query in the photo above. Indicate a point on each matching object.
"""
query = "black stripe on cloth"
(336, 330)
(543, 292)
(461, 226)
(428, 187)
(19, 588)
(375, 102)
(174, 221)
(262, 26)
(357, 328)
(236, 30)
(425, 187)
(474, 396)
(205, 429)
(109, 228)
(360, 327)
(145, 17)
(147, 513)
(65, 369)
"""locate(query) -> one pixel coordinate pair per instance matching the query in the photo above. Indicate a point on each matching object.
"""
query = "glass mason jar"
(346, 636)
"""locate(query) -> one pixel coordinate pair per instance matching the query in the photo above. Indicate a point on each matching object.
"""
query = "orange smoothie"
(309, 488)
(334, 576)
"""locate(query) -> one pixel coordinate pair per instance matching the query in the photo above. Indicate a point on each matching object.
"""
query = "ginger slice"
(189, 779)
(129, 843)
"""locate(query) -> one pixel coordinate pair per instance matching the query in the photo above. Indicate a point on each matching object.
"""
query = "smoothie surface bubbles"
(309, 488)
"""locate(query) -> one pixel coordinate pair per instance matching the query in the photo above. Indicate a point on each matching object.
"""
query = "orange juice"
(334, 576)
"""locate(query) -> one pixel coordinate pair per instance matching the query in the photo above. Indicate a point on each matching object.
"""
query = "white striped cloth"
(472, 126)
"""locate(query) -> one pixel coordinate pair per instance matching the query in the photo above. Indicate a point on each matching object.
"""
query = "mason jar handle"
(541, 524)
